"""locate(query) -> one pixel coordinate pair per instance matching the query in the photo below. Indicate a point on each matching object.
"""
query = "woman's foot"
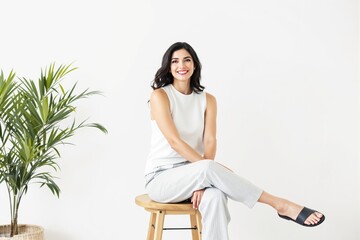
(286, 208)
(292, 210)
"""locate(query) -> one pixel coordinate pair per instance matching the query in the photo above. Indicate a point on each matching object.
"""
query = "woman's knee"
(205, 165)
(214, 195)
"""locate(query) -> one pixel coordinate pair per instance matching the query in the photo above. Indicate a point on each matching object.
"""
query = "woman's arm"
(210, 127)
(160, 112)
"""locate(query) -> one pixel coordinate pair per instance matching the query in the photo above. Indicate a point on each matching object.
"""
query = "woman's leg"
(288, 208)
(178, 184)
(215, 215)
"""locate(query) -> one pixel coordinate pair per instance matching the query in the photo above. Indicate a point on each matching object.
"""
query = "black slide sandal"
(303, 215)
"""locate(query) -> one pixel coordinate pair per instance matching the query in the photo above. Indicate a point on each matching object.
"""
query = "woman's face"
(182, 65)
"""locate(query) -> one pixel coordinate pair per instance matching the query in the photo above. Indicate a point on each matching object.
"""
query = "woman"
(183, 145)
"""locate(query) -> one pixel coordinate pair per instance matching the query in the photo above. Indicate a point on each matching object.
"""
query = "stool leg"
(159, 225)
(198, 223)
(194, 232)
(151, 229)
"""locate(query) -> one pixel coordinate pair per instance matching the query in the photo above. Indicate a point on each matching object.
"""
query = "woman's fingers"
(196, 198)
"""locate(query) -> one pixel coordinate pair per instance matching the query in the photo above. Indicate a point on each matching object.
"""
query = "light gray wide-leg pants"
(178, 184)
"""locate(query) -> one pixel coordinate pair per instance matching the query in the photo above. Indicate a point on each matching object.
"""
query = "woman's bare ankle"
(271, 200)
(281, 205)
(287, 208)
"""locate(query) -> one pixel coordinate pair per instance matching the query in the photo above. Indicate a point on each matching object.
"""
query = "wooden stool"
(158, 212)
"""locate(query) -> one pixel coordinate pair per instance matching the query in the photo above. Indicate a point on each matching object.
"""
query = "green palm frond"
(32, 119)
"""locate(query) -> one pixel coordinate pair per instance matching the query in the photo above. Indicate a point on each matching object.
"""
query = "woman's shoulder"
(210, 97)
(159, 95)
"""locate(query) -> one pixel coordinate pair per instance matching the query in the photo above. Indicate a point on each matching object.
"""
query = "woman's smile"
(182, 65)
(182, 72)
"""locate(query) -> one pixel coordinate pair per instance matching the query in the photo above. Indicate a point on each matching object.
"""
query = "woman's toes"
(313, 218)
(319, 215)
(309, 222)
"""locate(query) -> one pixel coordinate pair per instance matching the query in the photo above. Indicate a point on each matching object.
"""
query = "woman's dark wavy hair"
(163, 76)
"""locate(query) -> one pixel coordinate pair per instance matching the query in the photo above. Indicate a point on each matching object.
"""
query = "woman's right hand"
(196, 197)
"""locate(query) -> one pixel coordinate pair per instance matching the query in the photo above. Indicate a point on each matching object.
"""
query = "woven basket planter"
(26, 232)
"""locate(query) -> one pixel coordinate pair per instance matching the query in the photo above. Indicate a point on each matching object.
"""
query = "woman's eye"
(188, 60)
(174, 61)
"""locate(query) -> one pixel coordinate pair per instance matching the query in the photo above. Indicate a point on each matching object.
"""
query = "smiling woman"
(182, 66)
(181, 162)
(180, 59)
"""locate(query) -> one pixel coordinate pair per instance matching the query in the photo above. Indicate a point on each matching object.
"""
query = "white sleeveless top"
(188, 114)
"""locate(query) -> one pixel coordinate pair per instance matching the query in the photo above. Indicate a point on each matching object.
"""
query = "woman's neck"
(183, 87)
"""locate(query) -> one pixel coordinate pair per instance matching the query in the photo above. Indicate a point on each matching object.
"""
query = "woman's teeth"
(182, 72)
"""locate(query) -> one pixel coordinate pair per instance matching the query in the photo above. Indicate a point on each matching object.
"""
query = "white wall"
(358, 77)
(285, 74)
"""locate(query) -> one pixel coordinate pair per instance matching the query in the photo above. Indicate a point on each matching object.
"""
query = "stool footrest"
(193, 228)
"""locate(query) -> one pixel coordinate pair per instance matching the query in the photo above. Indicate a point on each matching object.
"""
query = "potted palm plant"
(34, 121)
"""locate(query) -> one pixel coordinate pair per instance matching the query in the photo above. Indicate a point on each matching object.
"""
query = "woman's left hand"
(196, 198)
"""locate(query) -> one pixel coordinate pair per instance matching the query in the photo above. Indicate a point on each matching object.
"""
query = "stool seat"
(146, 202)
(158, 212)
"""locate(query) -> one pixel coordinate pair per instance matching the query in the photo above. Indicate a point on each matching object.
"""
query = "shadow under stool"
(158, 212)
